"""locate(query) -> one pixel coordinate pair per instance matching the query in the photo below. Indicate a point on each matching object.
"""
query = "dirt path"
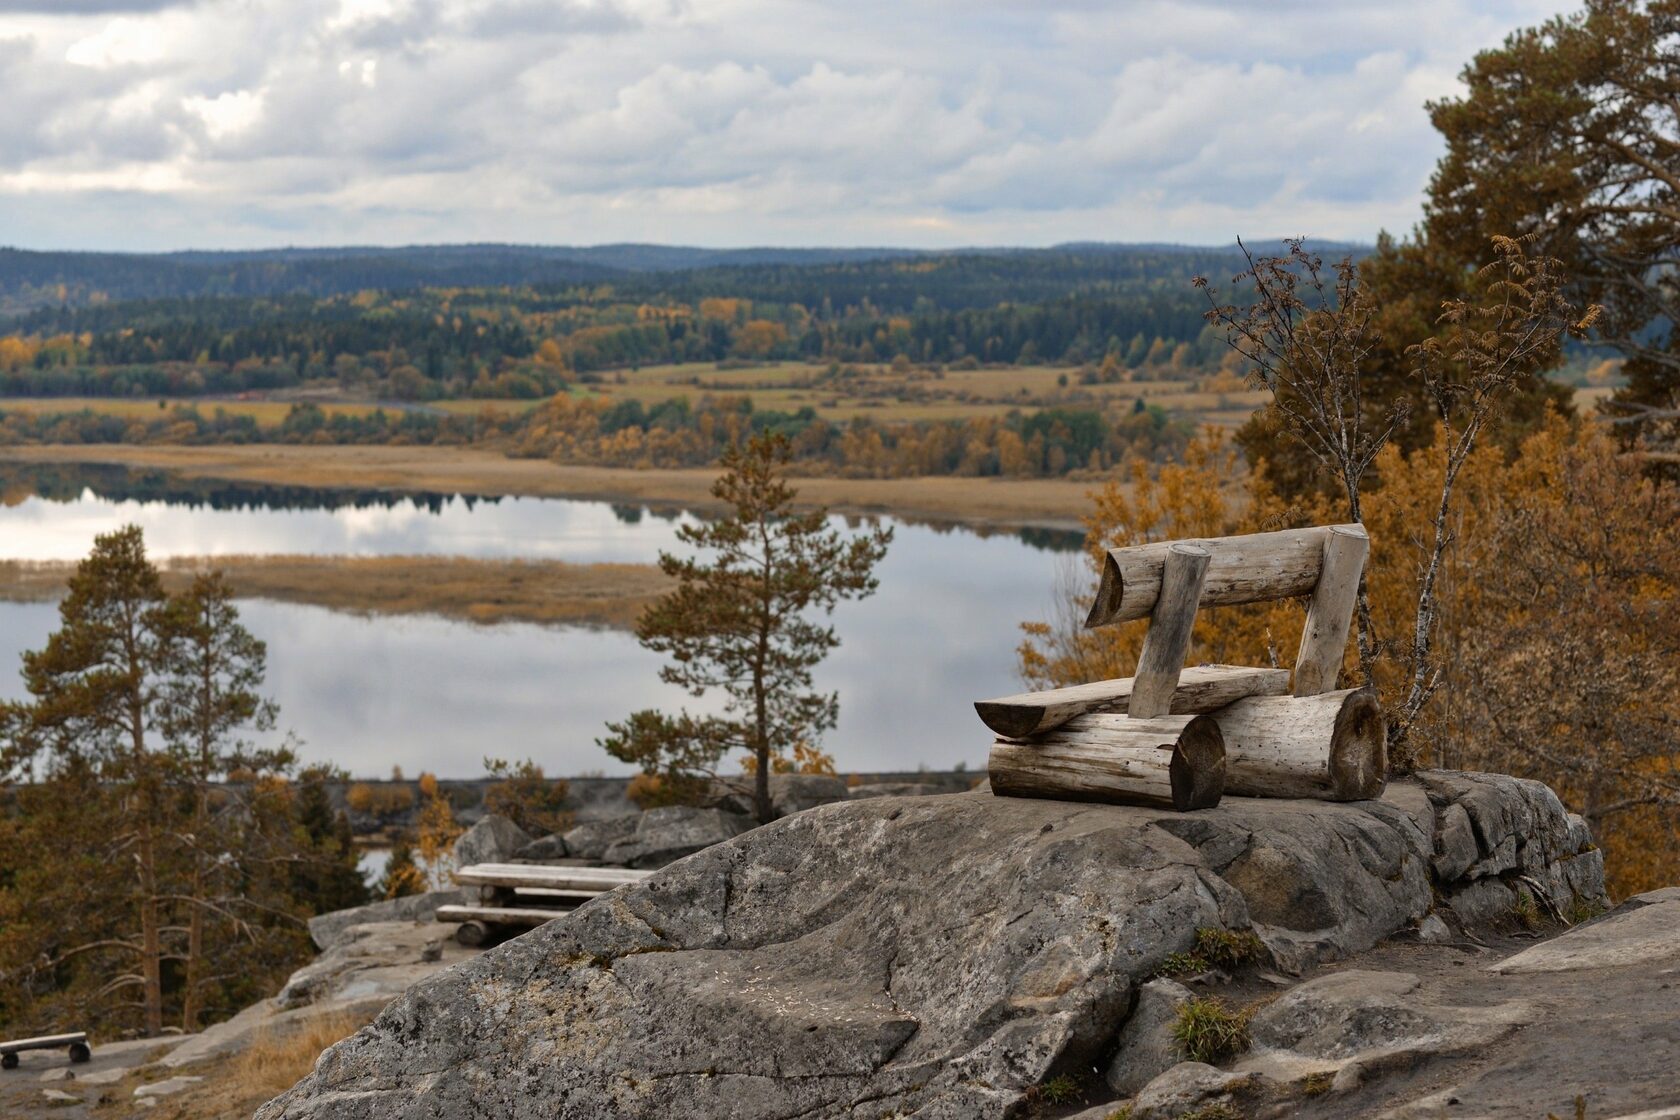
(1001, 503)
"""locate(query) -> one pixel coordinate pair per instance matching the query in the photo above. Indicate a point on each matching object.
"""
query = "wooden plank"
(1176, 762)
(499, 915)
(1201, 688)
(1243, 569)
(1170, 623)
(1332, 747)
(1324, 638)
(556, 878)
(43, 1042)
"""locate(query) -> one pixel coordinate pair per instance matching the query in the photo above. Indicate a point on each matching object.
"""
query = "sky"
(142, 125)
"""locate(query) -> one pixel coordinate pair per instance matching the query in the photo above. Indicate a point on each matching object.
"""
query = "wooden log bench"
(76, 1042)
(523, 896)
(1263, 735)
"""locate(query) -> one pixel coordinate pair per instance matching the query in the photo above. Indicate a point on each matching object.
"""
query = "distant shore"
(979, 502)
(485, 591)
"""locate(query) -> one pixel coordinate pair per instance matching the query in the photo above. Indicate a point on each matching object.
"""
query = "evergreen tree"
(737, 624)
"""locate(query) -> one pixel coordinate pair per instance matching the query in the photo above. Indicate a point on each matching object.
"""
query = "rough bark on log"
(1170, 622)
(1243, 569)
(1324, 638)
(1175, 762)
(1201, 688)
(1333, 746)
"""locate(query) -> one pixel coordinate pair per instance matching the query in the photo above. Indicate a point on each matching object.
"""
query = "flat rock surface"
(1646, 933)
(929, 957)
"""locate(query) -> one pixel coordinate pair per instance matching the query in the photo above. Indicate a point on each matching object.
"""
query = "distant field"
(148, 408)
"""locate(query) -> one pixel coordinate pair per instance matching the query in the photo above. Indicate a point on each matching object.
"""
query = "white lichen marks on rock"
(932, 957)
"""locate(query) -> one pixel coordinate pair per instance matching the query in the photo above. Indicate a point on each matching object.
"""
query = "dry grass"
(266, 412)
(485, 591)
(1009, 503)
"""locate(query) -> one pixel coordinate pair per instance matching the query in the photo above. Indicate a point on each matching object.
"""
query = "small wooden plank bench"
(76, 1042)
(524, 895)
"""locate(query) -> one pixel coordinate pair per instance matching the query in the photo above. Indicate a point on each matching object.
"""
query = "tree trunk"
(1175, 762)
(1242, 569)
(1201, 688)
(1332, 747)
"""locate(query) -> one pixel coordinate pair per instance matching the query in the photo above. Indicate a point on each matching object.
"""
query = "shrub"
(526, 797)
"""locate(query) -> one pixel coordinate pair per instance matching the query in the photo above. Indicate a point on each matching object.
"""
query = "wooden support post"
(1175, 762)
(1332, 747)
(1201, 688)
(1182, 574)
(1324, 638)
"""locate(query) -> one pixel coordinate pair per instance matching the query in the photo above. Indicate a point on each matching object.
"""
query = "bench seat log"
(1244, 569)
(1332, 747)
(517, 875)
(1175, 762)
(499, 915)
(1201, 688)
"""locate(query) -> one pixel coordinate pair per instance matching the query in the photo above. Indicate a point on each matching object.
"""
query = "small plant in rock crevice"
(1209, 1031)
(1229, 948)
(1316, 1084)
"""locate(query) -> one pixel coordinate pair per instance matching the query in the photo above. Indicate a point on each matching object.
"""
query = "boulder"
(327, 929)
(670, 833)
(1147, 1048)
(591, 839)
(789, 793)
(937, 957)
(547, 848)
(896, 789)
(1189, 1087)
(493, 839)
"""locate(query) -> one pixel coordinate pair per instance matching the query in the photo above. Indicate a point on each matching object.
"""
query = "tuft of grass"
(1124, 1112)
(1229, 948)
(1584, 910)
(1527, 911)
(1060, 1089)
(1181, 964)
(1317, 1084)
(277, 1060)
(1209, 1031)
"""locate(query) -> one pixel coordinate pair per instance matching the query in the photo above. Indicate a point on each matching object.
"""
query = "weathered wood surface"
(43, 1042)
(1324, 638)
(499, 915)
(1332, 747)
(1201, 688)
(596, 879)
(1168, 642)
(1175, 762)
(1243, 569)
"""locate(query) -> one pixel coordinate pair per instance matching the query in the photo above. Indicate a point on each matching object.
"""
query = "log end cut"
(1012, 721)
(1197, 770)
(1359, 748)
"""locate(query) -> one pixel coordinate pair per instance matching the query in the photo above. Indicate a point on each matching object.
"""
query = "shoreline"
(981, 503)
(483, 591)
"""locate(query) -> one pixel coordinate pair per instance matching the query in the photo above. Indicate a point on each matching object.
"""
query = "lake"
(425, 693)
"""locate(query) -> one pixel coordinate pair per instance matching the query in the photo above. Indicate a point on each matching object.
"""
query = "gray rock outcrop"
(896, 789)
(494, 839)
(668, 834)
(936, 957)
(789, 793)
(1146, 1048)
(328, 930)
(544, 848)
(590, 839)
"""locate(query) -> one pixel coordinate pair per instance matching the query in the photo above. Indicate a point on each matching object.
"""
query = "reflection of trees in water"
(66, 482)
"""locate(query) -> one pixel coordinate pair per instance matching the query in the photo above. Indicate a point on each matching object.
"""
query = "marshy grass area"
(484, 591)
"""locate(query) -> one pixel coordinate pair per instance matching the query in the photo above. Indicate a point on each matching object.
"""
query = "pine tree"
(737, 624)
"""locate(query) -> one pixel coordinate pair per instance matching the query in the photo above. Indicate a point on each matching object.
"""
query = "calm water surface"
(433, 694)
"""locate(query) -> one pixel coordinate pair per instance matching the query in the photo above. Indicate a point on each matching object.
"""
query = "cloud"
(147, 125)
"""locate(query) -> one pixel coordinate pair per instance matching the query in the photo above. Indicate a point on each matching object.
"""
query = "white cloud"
(145, 124)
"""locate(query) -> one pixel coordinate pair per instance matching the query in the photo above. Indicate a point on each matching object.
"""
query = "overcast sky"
(151, 124)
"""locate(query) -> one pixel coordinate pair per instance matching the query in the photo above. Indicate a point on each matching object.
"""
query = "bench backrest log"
(1167, 581)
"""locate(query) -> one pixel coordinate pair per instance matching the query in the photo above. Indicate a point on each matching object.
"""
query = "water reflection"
(426, 693)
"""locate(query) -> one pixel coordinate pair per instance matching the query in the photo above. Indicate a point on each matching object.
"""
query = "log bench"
(1182, 738)
(76, 1042)
(523, 896)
